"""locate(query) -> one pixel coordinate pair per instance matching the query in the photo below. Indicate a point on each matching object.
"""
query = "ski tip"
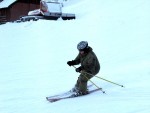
(53, 100)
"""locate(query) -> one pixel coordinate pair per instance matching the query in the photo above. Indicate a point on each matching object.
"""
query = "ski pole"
(90, 80)
(109, 81)
(103, 79)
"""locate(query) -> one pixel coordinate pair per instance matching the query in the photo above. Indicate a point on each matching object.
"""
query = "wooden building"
(17, 8)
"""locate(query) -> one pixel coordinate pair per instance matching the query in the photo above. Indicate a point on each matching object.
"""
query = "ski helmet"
(82, 45)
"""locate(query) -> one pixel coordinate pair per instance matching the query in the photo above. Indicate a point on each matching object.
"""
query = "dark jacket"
(89, 62)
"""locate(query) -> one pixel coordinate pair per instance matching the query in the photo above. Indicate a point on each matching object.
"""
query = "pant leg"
(82, 82)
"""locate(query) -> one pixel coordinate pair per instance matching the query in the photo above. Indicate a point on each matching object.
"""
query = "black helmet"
(82, 45)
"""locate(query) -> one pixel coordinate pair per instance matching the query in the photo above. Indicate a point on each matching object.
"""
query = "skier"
(90, 66)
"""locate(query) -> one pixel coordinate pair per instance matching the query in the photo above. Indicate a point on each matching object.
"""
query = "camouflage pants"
(81, 83)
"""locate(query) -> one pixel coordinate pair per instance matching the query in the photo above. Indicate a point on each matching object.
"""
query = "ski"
(70, 96)
(64, 94)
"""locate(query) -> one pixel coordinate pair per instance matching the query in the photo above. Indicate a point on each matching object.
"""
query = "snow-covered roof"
(6, 3)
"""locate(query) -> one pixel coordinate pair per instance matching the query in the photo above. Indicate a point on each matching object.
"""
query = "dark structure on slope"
(16, 9)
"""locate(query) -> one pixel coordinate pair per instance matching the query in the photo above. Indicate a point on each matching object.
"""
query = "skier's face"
(81, 52)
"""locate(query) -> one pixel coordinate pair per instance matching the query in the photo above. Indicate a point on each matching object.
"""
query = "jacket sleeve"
(77, 60)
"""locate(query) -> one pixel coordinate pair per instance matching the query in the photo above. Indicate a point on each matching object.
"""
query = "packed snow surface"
(34, 55)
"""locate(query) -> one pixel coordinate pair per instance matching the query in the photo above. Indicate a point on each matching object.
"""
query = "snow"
(33, 58)
(6, 3)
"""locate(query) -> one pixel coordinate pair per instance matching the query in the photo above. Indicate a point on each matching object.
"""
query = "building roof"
(6, 3)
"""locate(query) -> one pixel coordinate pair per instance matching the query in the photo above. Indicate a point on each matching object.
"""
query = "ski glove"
(70, 63)
(79, 69)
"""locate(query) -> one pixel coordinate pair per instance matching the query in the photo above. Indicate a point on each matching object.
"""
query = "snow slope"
(33, 58)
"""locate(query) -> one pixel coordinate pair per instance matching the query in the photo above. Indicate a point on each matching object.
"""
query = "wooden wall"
(19, 8)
